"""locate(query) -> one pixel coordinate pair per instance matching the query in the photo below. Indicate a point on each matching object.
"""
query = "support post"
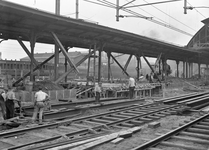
(186, 69)
(95, 47)
(177, 68)
(32, 46)
(66, 64)
(137, 67)
(88, 69)
(109, 66)
(183, 69)
(99, 65)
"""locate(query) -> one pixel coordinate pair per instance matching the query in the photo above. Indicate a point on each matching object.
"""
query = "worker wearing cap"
(40, 98)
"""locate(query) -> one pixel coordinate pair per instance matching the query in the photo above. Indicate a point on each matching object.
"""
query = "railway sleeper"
(92, 123)
(197, 135)
(135, 122)
(118, 116)
(144, 119)
(128, 114)
(204, 123)
(153, 117)
(160, 115)
(194, 140)
(110, 118)
(201, 126)
(135, 112)
(99, 120)
(195, 130)
(78, 125)
(165, 112)
(170, 144)
(125, 124)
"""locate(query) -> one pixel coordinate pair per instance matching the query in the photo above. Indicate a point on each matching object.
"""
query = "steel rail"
(167, 136)
(73, 104)
(19, 131)
(98, 127)
(69, 113)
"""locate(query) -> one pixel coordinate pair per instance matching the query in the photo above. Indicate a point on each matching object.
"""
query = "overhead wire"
(163, 23)
(170, 16)
(196, 10)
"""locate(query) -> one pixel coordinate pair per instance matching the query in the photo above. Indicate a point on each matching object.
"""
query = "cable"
(169, 16)
(196, 10)
(154, 21)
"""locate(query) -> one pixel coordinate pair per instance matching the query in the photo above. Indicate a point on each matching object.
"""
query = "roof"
(200, 41)
(43, 56)
(17, 20)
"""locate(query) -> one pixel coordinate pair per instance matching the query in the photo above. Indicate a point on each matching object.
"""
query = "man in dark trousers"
(98, 90)
(131, 84)
(2, 105)
(10, 98)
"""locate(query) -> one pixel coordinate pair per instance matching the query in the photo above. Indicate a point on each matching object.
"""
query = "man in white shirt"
(131, 85)
(40, 98)
(98, 90)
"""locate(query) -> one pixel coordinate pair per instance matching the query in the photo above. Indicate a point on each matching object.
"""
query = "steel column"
(95, 47)
(183, 69)
(177, 70)
(186, 69)
(32, 46)
(109, 66)
(137, 67)
(99, 65)
(56, 49)
(66, 64)
(88, 69)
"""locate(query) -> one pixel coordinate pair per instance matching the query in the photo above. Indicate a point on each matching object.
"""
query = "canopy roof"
(17, 20)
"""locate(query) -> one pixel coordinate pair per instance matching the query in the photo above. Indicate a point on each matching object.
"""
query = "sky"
(171, 13)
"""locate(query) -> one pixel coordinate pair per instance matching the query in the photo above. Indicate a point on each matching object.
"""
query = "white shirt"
(40, 96)
(131, 82)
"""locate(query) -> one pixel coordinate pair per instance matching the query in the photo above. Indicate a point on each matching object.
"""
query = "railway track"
(87, 126)
(190, 136)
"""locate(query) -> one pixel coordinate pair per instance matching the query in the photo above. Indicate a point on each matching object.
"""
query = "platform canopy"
(20, 21)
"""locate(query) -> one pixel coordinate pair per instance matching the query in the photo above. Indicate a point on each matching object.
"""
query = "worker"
(10, 98)
(2, 104)
(131, 85)
(98, 91)
(40, 98)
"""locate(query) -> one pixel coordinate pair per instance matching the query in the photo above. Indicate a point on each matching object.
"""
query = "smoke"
(152, 34)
